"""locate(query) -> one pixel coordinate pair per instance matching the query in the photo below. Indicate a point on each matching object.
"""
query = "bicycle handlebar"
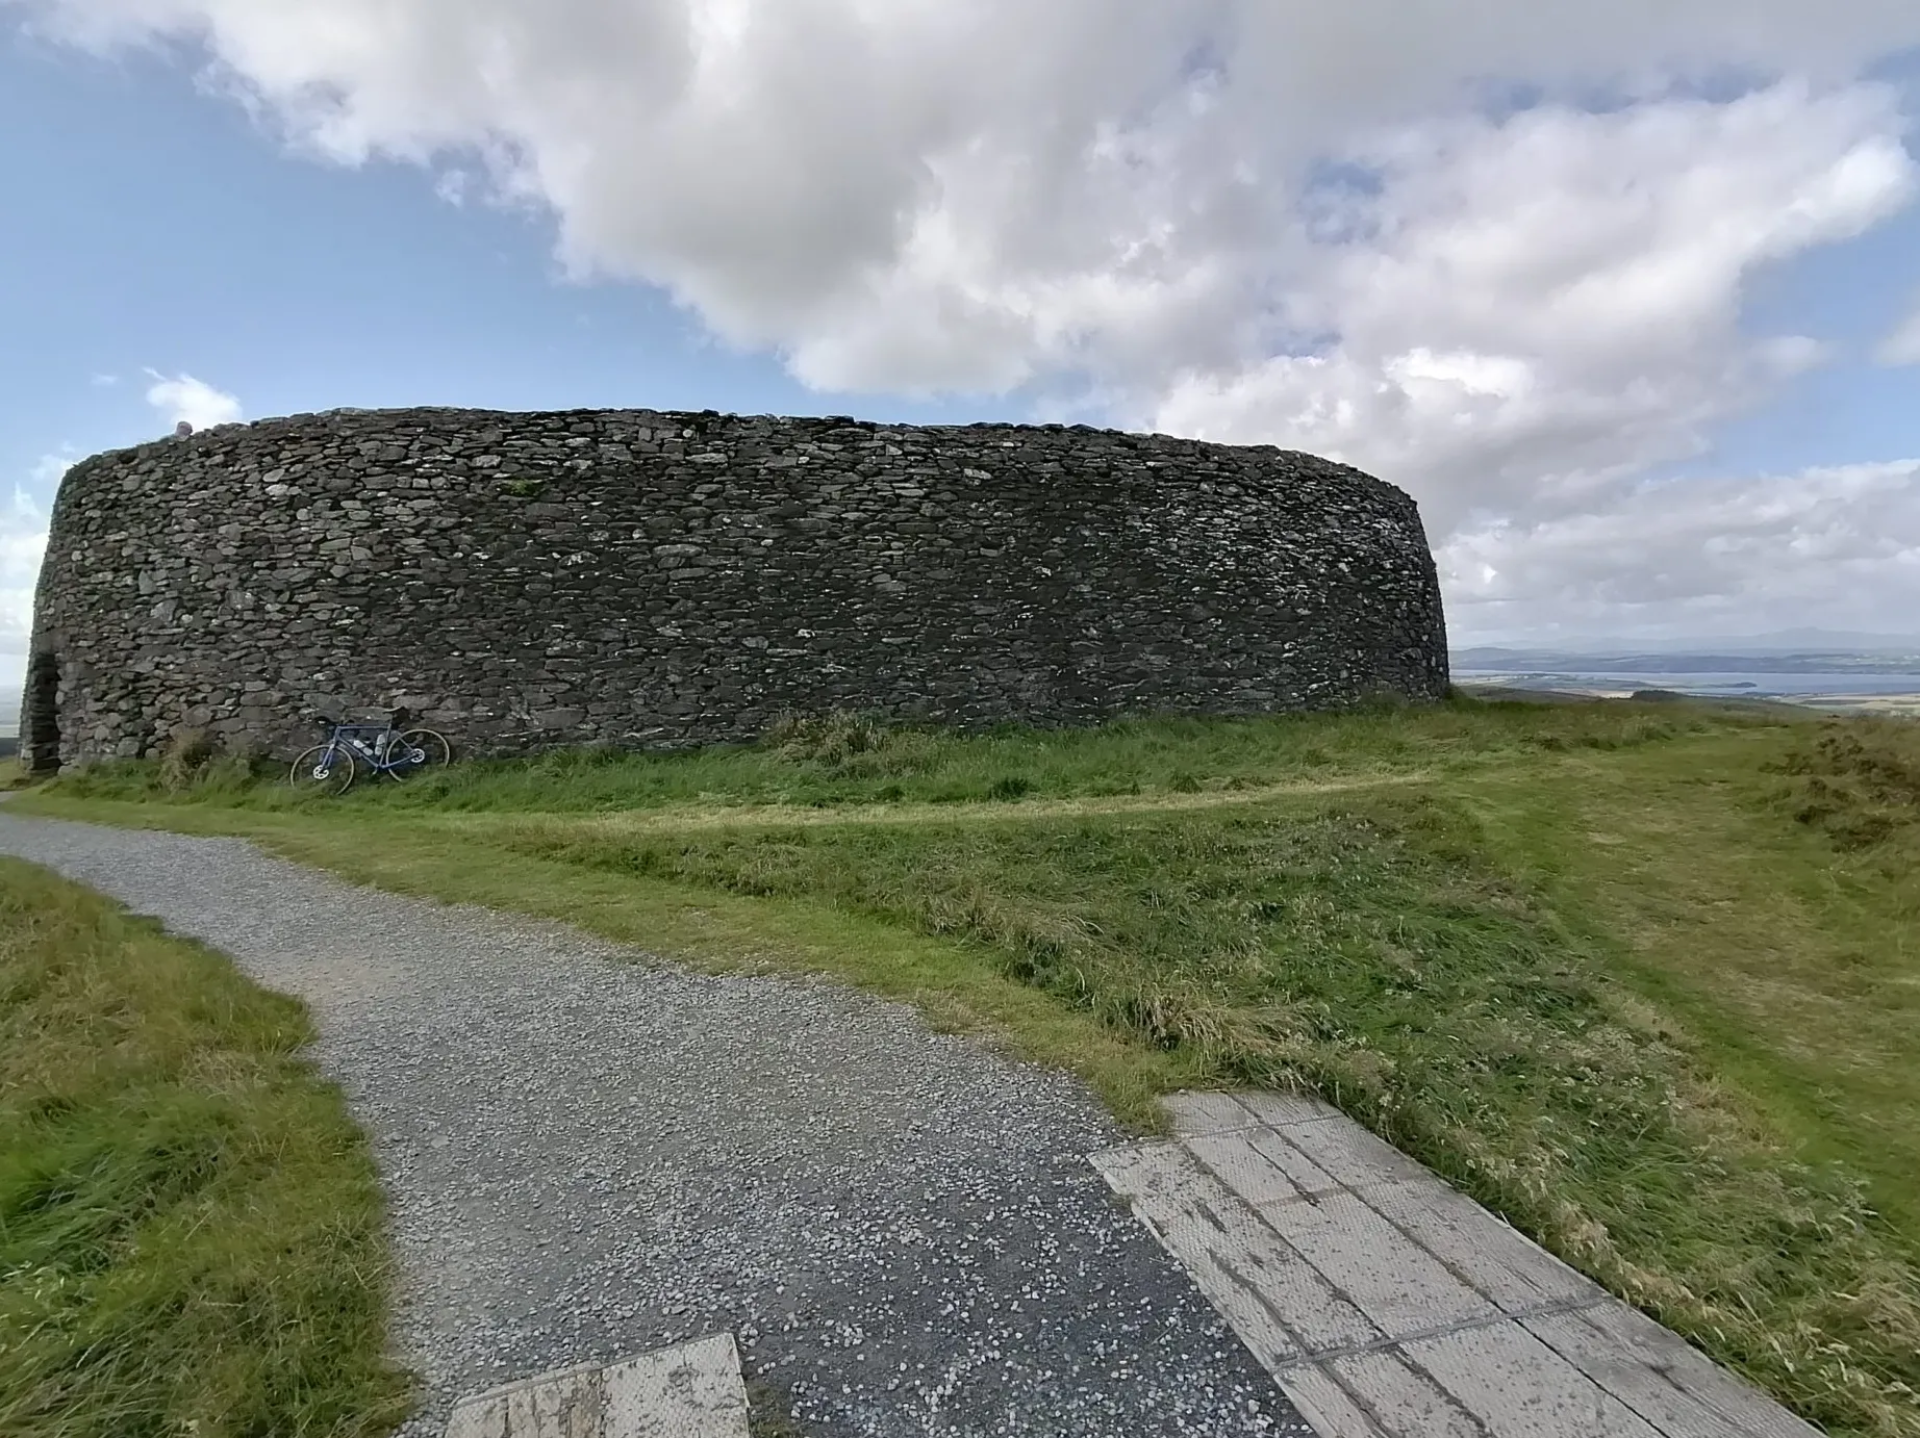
(401, 717)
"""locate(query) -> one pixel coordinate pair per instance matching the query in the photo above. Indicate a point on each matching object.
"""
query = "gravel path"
(590, 1153)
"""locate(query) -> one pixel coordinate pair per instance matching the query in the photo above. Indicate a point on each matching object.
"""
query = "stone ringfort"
(660, 580)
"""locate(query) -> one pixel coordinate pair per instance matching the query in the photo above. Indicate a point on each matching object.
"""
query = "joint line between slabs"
(1445, 1330)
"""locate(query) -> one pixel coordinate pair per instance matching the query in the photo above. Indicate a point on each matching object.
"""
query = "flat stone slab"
(1389, 1305)
(690, 1390)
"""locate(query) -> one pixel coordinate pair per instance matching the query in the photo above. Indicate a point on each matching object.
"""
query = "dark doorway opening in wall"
(40, 734)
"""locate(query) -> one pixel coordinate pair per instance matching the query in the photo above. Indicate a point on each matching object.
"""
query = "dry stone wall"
(657, 580)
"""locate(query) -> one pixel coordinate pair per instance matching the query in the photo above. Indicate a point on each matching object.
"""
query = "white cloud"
(1536, 308)
(1230, 217)
(23, 539)
(1902, 347)
(1702, 556)
(45, 477)
(453, 186)
(183, 397)
(933, 194)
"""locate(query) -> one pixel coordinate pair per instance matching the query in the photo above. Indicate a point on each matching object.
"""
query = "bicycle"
(389, 749)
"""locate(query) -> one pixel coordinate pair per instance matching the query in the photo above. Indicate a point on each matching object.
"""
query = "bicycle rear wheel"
(418, 749)
(323, 769)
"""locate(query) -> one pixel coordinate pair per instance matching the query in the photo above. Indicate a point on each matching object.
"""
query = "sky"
(1627, 296)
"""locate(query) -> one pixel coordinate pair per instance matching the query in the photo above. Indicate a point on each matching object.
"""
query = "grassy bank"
(191, 1238)
(1641, 977)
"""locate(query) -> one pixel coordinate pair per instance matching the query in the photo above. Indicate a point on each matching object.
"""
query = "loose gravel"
(589, 1153)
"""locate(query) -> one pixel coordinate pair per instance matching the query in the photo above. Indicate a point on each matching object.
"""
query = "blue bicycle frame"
(375, 745)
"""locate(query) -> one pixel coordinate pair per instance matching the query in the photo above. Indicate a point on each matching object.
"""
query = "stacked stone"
(660, 580)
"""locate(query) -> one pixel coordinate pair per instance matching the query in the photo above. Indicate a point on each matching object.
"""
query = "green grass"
(191, 1237)
(847, 761)
(1640, 976)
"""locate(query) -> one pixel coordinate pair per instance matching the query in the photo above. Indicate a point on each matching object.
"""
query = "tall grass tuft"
(191, 1236)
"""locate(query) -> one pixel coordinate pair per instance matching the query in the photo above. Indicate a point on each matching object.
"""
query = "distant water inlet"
(1796, 687)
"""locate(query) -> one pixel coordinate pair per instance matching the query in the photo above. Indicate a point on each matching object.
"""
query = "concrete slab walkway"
(1389, 1305)
(690, 1390)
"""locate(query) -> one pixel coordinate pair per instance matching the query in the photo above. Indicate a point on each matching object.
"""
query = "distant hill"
(1737, 703)
(1718, 659)
(1779, 641)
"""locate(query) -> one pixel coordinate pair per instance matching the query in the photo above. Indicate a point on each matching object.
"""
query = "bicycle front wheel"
(418, 749)
(323, 769)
